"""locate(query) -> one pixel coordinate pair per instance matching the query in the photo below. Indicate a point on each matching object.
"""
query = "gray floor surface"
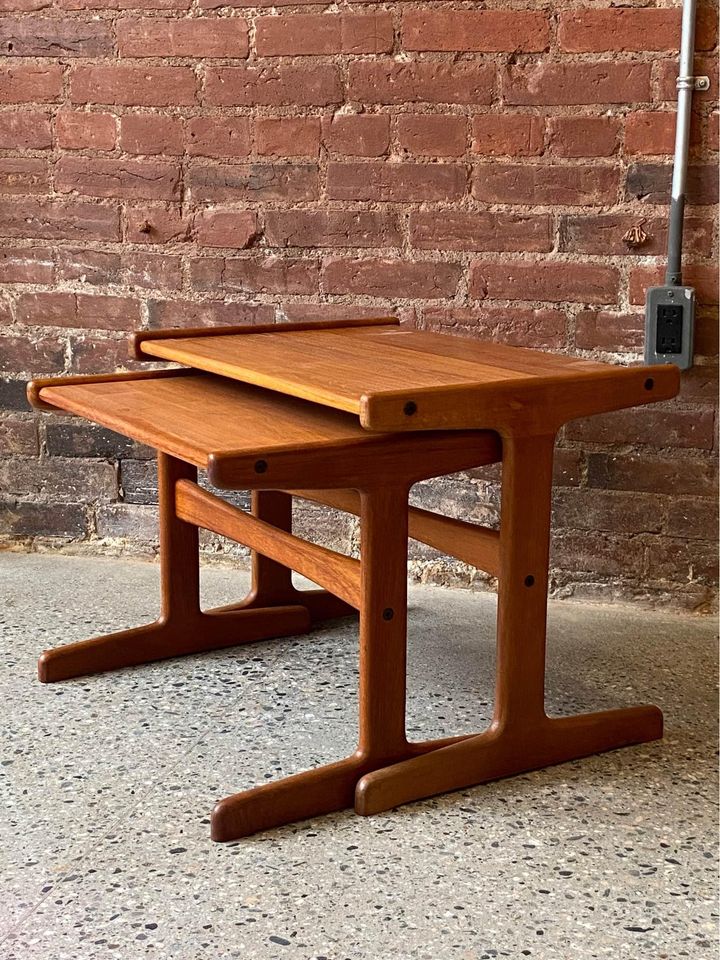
(106, 784)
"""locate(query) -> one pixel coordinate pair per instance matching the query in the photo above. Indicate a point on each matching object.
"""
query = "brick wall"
(168, 162)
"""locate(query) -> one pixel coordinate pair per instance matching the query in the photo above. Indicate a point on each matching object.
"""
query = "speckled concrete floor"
(106, 784)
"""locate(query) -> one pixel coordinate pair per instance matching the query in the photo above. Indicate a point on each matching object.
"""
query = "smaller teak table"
(351, 414)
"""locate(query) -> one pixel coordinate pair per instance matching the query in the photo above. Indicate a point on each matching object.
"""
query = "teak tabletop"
(351, 414)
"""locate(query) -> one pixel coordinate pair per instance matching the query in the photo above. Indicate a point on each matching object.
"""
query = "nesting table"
(351, 414)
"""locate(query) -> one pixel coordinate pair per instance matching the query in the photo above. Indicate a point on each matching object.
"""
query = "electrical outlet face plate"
(669, 325)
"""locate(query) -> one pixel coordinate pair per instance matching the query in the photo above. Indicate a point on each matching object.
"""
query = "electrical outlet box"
(670, 325)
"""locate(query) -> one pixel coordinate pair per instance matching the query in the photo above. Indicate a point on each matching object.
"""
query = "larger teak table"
(351, 415)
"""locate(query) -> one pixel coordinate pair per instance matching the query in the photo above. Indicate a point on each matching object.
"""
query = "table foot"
(505, 751)
(172, 637)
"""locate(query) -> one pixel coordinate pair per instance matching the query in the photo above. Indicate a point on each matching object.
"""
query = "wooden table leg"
(181, 628)
(521, 737)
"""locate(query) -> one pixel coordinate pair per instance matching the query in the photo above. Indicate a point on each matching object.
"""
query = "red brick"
(225, 228)
(545, 183)
(195, 37)
(357, 135)
(44, 37)
(651, 474)
(667, 77)
(30, 354)
(689, 429)
(703, 277)
(339, 311)
(59, 220)
(651, 183)
(392, 278)
(713, 132)
(700, 384)
(544, 280)
(269, 275)
(460, 230)
(97, 354)
(597, 553)
(126, 4)
(431, 135)
(30, 82)
(331, 228)
(221, 137)
(619, 29)
(610, 510)
(287, 136)
(149, 271)
(553, 83)
(186, 313)
(612, 332)
(388, 81)
(26, 265)
(519, 327)
(254, 181)
(23, 175)
(397, 182)
(156, 224)
(694, 519)
(326, 33)
(134, 86)
(78, 310)
(18, 438)
(683, 561)
(650, 133)
(60, 480)
(511, 135)
(134, 179)
(25, 130)
(26, 519)
(603, 234)
(315, 85)
(583, 136)
(150, 133)
(24, 6)
(85, 131)
(485, 31)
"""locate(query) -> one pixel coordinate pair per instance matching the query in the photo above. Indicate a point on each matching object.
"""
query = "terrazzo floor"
(106, 784)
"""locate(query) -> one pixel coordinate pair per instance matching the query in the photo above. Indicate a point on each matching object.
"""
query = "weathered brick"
(326, 33)
(150, 133)
(331, 228)
(431, 135)
(684, 561)
(390, 81)
(667, 77)
(26, 265)
(26, 519)
(225, 228)
(187, 313)
(196, 37)
(254, 181)
(152, 223)
(316, 85)
(287, 136)
(141, 86)
(63, 481)
(688, 429)
(85, 131)
(650, 474)
(96, 267)
(613, 332)
(125, 4)
(93, 353)
(357, 135)
(13, 394)
(394, 278)
(218, 137)
(25, 130)
(544, 280)
(44, 37)
(485, 31)
(553, 83)
(704, 277)
(133, 179)
(693, 518)
(19, 438)
(650, 133)
(545, 183)
(583, 136)
(59, 220)
(396, 182)
(603, 234)
(700, 384)
(78, 310)
(79, 439)
(519, 327)
(650, 183)
(632, 29)
(498, 135)
(610, 510)
(338, 311)
(28, 83)
(24, 175)
(266, 275)
(31, 354)
(598, 553)
(458, 230)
